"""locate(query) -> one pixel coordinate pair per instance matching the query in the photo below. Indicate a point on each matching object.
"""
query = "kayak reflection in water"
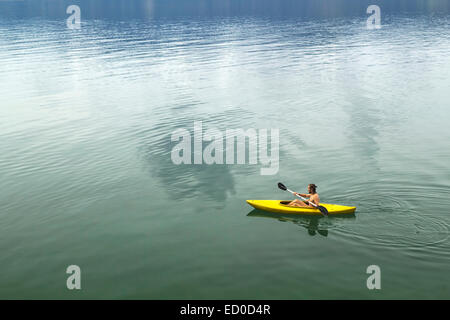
(312, 195)
(313, 227)
(310, 223)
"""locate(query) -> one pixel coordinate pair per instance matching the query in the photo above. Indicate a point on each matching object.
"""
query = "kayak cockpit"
(285, 203)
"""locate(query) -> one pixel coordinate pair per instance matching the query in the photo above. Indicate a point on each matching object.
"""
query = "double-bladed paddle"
(322, 209)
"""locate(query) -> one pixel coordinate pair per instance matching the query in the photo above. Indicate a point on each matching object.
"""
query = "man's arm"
(303, 195)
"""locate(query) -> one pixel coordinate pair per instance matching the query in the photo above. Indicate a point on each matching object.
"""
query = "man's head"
(312, 188)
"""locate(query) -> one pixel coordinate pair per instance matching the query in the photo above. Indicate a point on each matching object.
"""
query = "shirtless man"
(313, 197)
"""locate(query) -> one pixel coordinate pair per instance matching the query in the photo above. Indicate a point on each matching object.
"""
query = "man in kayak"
(312, 195)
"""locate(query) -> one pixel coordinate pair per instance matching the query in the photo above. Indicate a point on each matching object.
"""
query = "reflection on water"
(201, 181)
(313, 224)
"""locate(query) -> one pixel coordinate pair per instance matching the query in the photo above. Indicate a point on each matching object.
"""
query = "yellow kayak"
(281, 207)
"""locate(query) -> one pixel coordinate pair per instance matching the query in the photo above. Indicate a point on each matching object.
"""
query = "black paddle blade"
(282, 186)
(323, 210)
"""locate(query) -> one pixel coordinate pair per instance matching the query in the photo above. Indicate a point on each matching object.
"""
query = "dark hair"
(313, 187)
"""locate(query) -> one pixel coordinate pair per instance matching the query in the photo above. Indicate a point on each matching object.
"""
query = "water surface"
(87, 179)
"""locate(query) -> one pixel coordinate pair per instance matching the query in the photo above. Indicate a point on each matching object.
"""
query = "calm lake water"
(87, 178)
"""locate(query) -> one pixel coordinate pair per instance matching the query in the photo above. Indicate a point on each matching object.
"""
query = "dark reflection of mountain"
(364, 131)
(215, 181)
(313, 224)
